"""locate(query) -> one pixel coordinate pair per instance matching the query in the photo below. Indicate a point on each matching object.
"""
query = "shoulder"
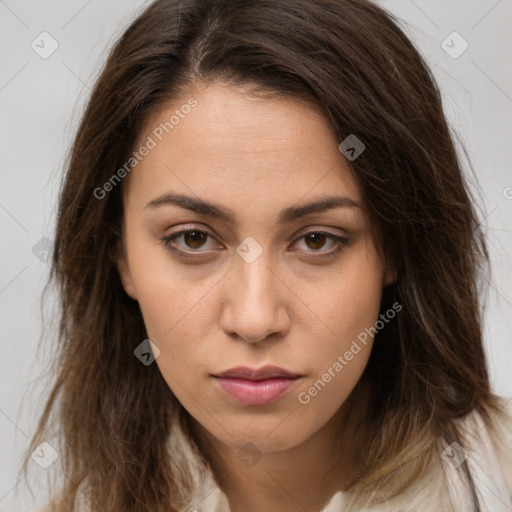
(499, 432)
(488, 452)
(443, 485)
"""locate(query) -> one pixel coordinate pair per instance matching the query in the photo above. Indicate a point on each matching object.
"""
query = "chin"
(271, 435)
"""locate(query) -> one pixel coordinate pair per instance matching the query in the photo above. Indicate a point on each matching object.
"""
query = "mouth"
(262, 386)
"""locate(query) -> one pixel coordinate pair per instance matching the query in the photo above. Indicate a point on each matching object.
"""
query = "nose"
(254, 302)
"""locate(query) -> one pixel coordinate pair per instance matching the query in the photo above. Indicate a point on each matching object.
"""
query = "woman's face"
(235, 262)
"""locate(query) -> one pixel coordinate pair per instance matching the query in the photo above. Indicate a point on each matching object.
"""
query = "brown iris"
(318, 240)
(195, 239)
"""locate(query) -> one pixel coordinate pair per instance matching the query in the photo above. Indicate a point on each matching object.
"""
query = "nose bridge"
(254, 304)
(256, 279)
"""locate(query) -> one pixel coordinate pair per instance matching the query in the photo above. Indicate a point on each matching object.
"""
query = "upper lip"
(266, 372)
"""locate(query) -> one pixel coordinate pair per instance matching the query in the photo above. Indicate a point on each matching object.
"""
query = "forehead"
(231, 142)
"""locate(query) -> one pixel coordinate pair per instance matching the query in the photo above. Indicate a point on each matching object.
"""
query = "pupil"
(194, 239)
(318, 240)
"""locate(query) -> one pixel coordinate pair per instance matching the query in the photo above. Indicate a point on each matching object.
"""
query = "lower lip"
(255, 392)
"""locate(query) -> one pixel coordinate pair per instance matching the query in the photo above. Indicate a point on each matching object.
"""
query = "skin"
(290, 307)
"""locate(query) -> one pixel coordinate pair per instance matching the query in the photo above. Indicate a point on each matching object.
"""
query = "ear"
(390, 274)
(124, 272)
(390, 277)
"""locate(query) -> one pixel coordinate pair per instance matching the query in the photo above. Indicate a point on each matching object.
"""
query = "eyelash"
(340, 242)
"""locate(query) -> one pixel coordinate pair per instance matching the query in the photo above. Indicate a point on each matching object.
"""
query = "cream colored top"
(489, 457)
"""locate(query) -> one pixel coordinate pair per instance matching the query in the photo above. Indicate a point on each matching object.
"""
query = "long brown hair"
(112, 414)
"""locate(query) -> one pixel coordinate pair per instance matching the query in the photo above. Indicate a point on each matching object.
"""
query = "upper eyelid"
(298, 236)
(313, 229)
(186, 229)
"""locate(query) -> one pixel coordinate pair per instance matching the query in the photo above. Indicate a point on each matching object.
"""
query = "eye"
(192, 240)
(314, 241)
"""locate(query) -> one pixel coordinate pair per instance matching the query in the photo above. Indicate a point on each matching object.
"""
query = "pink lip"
(255, 392)
(256, 387)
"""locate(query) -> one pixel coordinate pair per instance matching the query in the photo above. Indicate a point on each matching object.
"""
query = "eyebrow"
(219, 212)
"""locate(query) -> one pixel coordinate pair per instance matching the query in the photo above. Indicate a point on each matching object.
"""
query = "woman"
(269, 263)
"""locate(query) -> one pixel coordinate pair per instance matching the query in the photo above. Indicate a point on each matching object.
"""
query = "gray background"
(41, 101)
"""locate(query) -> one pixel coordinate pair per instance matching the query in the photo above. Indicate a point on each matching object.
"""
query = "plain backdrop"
(41, 100)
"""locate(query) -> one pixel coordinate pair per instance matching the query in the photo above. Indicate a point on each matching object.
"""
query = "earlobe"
(390, 278)
(125, 275)
(390, 275)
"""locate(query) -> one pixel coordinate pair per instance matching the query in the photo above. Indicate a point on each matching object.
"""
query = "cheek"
(349, 302)
(349, 306)
(338, 363)
(177, 319)
(177, 323)
(178, 315)
(166, 292)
